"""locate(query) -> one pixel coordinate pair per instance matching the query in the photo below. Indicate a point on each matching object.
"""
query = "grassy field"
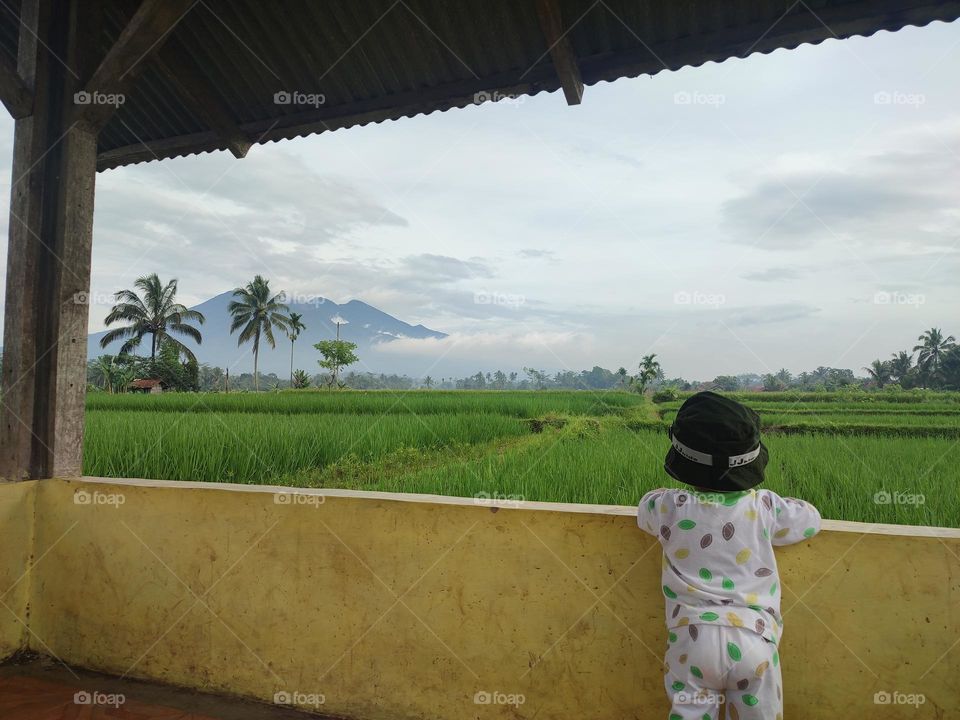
(877, 460)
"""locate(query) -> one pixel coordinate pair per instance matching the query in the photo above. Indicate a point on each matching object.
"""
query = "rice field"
(876, 460)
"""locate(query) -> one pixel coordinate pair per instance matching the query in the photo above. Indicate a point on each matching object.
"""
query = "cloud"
(510, 348)
(774, 274)
(536, 254)
(767, 314)
(865, 200)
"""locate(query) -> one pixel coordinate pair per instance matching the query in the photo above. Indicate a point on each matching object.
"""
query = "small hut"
(151, 386)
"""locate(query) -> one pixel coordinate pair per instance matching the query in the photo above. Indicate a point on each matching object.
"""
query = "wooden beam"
(144, 34)
(561, 50)
(201, 98)
(14, 92)
(48, 256)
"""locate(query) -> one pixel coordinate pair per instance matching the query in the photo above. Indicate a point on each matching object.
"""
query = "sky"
(788, 210)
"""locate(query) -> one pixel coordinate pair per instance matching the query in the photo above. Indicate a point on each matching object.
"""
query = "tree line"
(149, 312)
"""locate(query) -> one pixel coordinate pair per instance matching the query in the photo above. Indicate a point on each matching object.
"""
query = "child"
(719, 572)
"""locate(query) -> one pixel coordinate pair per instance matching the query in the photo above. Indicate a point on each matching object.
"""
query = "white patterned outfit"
(722, 595)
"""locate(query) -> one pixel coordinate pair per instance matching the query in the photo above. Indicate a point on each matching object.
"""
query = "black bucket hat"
(715, 444)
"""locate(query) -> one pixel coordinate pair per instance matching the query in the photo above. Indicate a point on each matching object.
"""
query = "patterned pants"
(709, 666)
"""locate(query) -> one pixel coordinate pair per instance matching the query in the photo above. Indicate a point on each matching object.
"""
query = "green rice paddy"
(882, 460)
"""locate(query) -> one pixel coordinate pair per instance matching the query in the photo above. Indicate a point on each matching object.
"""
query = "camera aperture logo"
(85, 697)
(85, 497)
(482, 697)
(298, 698)
(298, 498)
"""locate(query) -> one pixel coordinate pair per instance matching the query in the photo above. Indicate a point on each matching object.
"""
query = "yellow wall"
(16, 542)
(406, 607)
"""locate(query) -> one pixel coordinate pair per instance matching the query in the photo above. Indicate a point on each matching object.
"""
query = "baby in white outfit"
(719, 573)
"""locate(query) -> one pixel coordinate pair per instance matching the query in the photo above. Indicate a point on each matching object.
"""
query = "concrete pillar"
(48, 259)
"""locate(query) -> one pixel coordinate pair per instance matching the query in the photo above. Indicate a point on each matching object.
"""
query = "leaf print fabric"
(718, 558)
(723, 666)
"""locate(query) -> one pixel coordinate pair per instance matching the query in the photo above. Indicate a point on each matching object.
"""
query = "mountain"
(366, 326)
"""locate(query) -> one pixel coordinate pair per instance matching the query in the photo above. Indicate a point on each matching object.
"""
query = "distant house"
(147, 386)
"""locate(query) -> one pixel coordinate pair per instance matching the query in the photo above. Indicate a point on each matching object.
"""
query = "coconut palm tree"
(293, 332)
(255, 313)
(933, 348)
(879, 372)
(154, 313)
(901, 365)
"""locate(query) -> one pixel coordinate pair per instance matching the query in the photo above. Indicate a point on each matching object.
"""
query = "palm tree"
(293, 332)
(901, 365)
(649, 370)
(879, 372)
(257, 312)
(933, 348)
(104, 371)
(154, 313)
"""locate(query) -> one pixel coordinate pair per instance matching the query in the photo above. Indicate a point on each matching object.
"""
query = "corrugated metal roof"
(372, 60)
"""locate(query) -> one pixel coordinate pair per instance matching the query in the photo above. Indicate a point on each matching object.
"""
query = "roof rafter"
(194, 87)
(143, 35)
(561, 50)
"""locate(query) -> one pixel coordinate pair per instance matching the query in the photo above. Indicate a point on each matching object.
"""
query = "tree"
(156, 314)
(257, 312)
(900, 366)
(337, 354)
(293, 332)
(428, 382)
(649, 370)
(622, 376)
(951, 369)
(103, 372)
(879, 372)
(727, 383)
(299, 380)
(933, 348)
(538, 377)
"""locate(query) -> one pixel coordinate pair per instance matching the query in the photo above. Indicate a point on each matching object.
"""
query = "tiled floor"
(42, 691)
(26, 698)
